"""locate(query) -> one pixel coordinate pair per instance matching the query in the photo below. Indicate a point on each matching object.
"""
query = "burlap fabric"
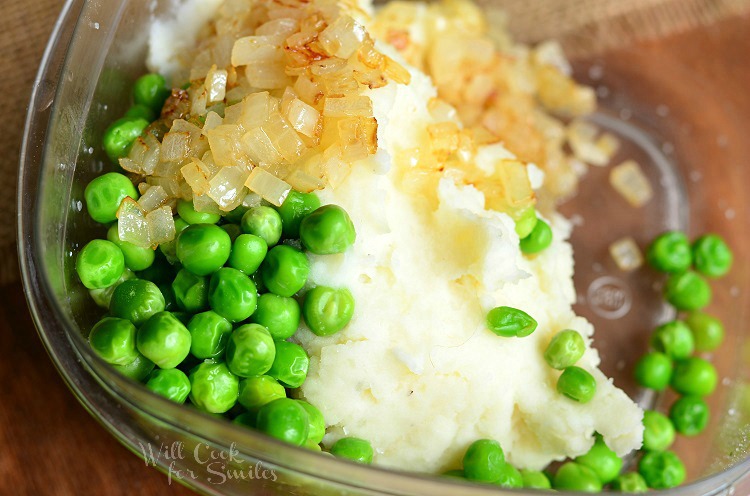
(583, 26)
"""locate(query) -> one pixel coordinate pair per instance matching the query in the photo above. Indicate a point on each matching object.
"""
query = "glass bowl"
(96, 52)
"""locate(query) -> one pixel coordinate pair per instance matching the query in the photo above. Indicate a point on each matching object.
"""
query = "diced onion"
(342, 38)
(258, 146)
(227, 187)
(267, 75)
(196, 175)
(213, 120)
(161, 227)
(284, 139)
(278, 28)
(268, 186)
(629, 180)
(132, 226)
(255, 110)
(216, 84)
(256, 49)
(175, 146)
(153, 198)
(348, 106)
(303, 117)
(225, 146)
(204, 203)
(626, 254)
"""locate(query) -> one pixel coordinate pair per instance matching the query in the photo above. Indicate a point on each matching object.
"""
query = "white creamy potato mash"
(416, 372)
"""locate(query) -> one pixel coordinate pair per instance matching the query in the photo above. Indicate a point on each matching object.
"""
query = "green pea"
(279, 314)
(711, 255)
(565, 349)
(260, 390)
(661, 469)
(247, 419)
(120, 135)
(232, 294)
(670, 252)
(173, 384)
(577, 384)
(203, 248)
(602, 460)
(658, 431)
(285, 270)
(103, 296)
(263, 222)
(632, 482)
(654, 371)
(164, 340)
(250, 350)
(538, 240)
(105, 193)
(213, 388)
(695, 376)
(100, 264)
(186, 211)
(137, 301)
(526, 222)
(248, 252)
(673, 339)
(284, 419)
(509, 476)
(138, 369)
(483, 461)
(510, 322)
(535, 479)
(708, 331)
(209, 333)
(327, 310)
(290, 364)
(317, 423)
(136, 257)
(687, 291)
(151, 90)
(572, 476)
(354, 449)
(113, 339)
(139, 111)
(234, 232)
(190, 291)
(327, 230)
(296, 207)
(169, 249)
(689, 415)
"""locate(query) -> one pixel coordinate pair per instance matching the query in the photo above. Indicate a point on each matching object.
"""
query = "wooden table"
(52, 446)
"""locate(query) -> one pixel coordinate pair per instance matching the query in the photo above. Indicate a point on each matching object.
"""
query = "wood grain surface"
(52, 446)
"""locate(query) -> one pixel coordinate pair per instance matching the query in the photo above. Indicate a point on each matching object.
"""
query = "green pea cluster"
(149, 94)
(562, 353)
(534, 233)
(207, 317)
(484, 462)
(672, 361)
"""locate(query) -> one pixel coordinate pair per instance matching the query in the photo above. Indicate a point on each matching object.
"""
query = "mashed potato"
(416, 372)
